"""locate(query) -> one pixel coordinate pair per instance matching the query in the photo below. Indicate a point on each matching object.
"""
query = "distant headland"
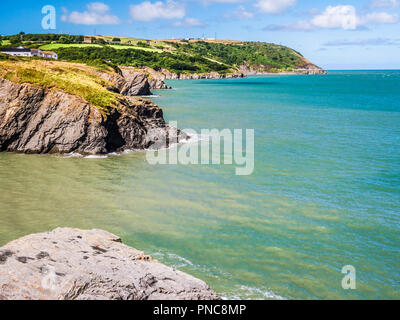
(178, 58)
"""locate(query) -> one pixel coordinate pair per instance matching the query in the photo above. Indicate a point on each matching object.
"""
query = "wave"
(248, 293)
(102, 156)
(192, 139)
(73, 155)
(151, 96)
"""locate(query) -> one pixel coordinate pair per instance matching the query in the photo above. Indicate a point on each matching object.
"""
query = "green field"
(55, 46)
(5, 42)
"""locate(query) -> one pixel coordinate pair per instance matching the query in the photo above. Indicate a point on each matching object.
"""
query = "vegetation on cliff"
(274, 57)
(178, 56)
(77, 79)
(174, 62)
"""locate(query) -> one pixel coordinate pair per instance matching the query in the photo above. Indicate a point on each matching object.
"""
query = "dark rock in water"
(72, 264)
(38, 120)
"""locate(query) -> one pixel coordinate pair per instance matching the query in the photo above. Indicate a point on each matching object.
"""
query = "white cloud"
(147, 11)
(242, 13)
(98, 7)
(380, 18)
(274, 6)
(385, 4)
(189, 22)
(338, 17)
(97, 13)
(341, 16)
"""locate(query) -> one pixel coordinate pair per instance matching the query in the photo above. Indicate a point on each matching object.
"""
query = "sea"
(317, 218)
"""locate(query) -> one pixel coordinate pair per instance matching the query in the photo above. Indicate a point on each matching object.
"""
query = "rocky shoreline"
(37, 119)
(73, 264)
(244, 71)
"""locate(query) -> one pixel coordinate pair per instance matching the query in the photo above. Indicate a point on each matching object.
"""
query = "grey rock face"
(137, 83)
(73, 264)
(36, 120)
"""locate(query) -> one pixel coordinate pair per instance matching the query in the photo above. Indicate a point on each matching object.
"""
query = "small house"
(17, 52)
(87, 39)
(50, 54)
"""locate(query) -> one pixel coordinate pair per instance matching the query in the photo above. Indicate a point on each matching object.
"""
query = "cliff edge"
(73, 264)
(59, 107)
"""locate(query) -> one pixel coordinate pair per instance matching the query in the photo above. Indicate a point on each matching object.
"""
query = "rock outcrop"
(164, 74)
(307, 68)
(73, 264)
(135, 82)
(40, 120)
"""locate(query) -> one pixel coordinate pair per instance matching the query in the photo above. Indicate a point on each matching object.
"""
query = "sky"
(334, 34)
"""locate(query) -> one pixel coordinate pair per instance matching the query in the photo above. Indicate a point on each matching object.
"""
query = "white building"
(27, 52)
(18, 52)
(50, 54)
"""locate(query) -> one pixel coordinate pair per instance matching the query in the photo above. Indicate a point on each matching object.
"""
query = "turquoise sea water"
(325, 191)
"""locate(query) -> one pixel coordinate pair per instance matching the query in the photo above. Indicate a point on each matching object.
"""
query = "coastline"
(142, 203)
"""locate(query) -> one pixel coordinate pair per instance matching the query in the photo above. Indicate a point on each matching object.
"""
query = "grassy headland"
(77, 79)
(178, 55)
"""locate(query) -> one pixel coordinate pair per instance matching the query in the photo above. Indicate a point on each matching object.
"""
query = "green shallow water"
(325, 191)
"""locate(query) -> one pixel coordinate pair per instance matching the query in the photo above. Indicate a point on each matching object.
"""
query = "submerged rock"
(40, 120)
(73, 264)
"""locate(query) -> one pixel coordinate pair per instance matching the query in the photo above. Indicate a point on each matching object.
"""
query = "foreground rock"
(72, 264)
(40, 120)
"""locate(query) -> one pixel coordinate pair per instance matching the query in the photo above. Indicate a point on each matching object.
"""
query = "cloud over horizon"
(338, 17)
(148, 11)
(363, 42)
(274, 6)
(97, 13)
(189, 22)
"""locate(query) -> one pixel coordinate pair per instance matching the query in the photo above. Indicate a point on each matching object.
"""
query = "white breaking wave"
(73, 155)
(97, 156)
(248, 293)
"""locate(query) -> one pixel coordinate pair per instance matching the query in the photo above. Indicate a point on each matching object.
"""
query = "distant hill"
(180, 56)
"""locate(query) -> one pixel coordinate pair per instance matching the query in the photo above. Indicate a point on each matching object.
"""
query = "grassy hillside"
(241, 53)
(175, 62)
(77, 79)
(55, 46)
(178, 55)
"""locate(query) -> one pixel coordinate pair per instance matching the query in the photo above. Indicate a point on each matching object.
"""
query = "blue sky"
(344, 34)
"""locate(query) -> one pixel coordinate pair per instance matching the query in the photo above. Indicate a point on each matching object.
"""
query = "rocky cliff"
(164, 74)
(244, 70)
(58, 107)
(135, 82)
(72, 264)
(306, 68)
(40, 120)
